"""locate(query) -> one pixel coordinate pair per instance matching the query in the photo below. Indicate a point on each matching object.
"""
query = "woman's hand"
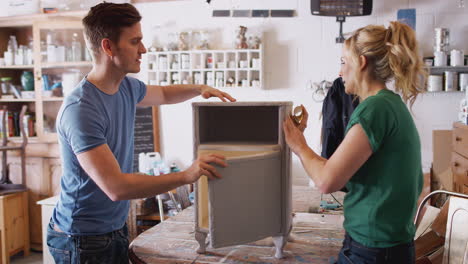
(294, 136)
(305, 116)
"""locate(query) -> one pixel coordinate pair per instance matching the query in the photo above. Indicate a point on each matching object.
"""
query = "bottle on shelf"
(87, 54)
(76, 48)
(50, 47)
(29, 53)
(55, 50)
(12, 48)
(6, 87)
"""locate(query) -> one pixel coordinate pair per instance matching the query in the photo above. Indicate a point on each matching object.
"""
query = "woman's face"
(348, 71)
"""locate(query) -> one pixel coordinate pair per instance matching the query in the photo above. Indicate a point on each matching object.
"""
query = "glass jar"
(27, 81)
(5, 85)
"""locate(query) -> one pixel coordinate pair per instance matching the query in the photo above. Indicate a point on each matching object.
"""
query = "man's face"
(129, 49)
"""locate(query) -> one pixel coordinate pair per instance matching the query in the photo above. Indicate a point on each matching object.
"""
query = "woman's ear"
(362, 62)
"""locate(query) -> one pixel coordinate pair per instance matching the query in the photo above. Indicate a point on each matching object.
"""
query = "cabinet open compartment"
(252, 201)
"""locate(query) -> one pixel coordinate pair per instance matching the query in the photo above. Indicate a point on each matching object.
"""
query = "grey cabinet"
(252, 201)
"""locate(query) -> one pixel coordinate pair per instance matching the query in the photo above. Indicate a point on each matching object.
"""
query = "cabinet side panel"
(202, 202)
(245, 205)
(286, 177)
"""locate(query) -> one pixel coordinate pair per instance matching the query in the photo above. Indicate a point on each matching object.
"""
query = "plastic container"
(149, 163)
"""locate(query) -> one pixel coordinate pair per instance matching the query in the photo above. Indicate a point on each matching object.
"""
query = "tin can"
(451, 81)
(297, 115)
(434, 83)
(463, 81)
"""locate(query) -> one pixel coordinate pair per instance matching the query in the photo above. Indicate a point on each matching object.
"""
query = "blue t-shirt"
(87, 119)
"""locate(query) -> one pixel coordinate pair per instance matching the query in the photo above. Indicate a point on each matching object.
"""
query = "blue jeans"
(107, 248)
(356, 253)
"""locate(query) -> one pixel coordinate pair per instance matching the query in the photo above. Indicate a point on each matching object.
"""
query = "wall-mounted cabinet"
(217, 68)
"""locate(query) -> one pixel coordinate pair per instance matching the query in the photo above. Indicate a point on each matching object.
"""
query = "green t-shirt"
(380, 205)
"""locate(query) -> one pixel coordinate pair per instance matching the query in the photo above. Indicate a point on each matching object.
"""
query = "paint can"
(297, 115)
(463, 81)
(451, 81)
(434, 83)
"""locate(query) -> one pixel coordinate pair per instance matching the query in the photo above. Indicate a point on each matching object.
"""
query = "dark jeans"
(356, 253)
(107, 248)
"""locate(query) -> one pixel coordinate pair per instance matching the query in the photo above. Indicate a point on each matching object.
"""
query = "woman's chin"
(348, 90)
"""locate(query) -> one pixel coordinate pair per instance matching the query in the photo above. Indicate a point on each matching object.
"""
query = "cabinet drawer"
(460, 188)
(459, 169)
(460, 139)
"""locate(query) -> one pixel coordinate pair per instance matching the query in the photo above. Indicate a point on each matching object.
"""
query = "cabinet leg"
(280, 242)
(201, 239)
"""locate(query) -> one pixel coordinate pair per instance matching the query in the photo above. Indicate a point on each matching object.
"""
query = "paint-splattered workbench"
(315, 238)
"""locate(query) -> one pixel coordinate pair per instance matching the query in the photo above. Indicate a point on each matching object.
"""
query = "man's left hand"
(207, 92)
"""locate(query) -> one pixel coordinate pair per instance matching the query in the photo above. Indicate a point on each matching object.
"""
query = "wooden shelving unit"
(440, 70)
(43, 166)
(217, 68)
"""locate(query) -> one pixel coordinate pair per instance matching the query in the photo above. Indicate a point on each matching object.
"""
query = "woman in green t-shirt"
(379, 160)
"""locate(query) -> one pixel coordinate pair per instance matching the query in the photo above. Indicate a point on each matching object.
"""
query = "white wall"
(299, 50)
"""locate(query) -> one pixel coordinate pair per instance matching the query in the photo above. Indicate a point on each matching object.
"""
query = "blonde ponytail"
(392, 54)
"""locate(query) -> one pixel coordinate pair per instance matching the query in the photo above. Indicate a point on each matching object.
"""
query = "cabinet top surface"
(266, 103)
(28, 20)
(460, 125)
(49, 201)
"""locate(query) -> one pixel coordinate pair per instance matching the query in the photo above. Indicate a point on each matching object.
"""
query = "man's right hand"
(201, 166)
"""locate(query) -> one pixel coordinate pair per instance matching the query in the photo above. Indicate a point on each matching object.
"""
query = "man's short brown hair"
(106, 20)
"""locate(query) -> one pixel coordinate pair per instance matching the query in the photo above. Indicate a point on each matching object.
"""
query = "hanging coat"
(336, 111)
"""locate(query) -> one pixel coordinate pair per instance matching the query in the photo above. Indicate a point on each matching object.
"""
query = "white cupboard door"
(246, 204)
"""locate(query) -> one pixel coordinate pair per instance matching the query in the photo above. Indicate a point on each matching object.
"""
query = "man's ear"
(363, 62)
(106, 46)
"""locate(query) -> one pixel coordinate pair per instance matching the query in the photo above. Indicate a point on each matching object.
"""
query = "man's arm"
(100, 164)
(171, 94)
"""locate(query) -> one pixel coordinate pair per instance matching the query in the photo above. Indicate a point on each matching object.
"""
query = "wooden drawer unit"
(460, 171)
(459, 161)
(460, 139)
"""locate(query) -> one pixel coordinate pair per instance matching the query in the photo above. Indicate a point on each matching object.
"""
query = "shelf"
(17, 100)
(17, 67)
(220, 87)
(151, 217)
(442, 69)
(52, 99)
(65, 64)
(20, 139)
(207, 70)
(444, 92)
(203, 51)
(27, 20)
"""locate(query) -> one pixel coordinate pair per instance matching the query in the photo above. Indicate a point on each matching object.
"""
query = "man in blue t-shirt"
(95, 130)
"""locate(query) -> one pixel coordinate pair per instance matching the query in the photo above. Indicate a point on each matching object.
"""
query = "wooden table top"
(315, 238)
